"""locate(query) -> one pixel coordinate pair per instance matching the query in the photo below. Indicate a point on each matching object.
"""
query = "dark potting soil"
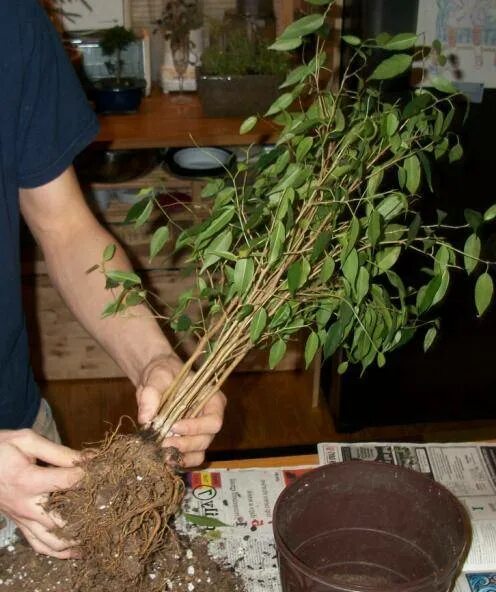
(184, 566)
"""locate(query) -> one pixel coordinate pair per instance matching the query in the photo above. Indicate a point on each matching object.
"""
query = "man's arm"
(72, 241)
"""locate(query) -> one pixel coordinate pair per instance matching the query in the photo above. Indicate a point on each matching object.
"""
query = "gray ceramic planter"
(237, 96)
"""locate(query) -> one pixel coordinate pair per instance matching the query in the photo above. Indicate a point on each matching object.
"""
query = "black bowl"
(96, 165)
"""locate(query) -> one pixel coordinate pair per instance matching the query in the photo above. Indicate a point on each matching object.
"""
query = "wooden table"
(162, 123)
(268, 462)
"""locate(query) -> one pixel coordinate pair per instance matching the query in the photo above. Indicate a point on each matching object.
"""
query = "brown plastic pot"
(369, 527)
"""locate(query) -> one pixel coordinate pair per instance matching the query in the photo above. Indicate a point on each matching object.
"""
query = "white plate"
(201, 159)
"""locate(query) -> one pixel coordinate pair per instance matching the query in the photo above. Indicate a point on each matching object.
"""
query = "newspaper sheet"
(243, 499)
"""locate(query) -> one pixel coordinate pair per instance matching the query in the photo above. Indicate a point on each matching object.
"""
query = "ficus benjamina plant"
(323, 232)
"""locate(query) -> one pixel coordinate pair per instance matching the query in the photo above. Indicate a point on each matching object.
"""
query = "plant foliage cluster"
(236, 51)
(323, 232)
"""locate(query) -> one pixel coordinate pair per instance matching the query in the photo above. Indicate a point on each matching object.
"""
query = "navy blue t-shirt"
(45, 120)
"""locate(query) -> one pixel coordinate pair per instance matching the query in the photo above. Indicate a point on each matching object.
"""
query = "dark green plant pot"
(237, 96)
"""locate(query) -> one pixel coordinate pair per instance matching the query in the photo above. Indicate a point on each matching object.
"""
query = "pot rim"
(442, 574)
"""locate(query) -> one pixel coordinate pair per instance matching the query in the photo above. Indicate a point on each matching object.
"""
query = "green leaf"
(343, 367)
(159, 238)
(276, 354)
(490, 213)
(304, 26)
(374, 182)
(248, 124)
(350, 267)
(145, 214)
(282, 44)
(442, 85)
(484, 289)
(282, 314)
(386, 258)
(426, 165)
(351, 40)
(392, 123)
(455, 153)
(280, 104)
(111, 308)
(433, 293)
(473, 218)
(244, 271)
(333, 339)
(212, 188)
(134, 298)
(183, 323)
(136, 210)
(258, 324)
(374, 228)
(429, 338)
(392, 206)
(320, 245)
(413, 174)
(362, 284)
(401, 42)
(294, 277)
(206, 521)
(311, 347)
(304, 148)
(220, 243)
(472, 251)
(441, 148)
(123, 276)
(109, 252)
(381, 360)
(296, 75)
(327, 269)
(392, 67)
(218, 223)
(277, 239)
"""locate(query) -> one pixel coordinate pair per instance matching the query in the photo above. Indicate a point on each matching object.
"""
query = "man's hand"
(24, 486)
(191, 436)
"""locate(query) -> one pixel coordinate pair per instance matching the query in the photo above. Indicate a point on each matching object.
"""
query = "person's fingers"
(204, 424)
(46, 537)
(193, 459)
(41, 547)
(156, 379)
(189, 444)
(35, 446)
(39, 480)
(148, 398)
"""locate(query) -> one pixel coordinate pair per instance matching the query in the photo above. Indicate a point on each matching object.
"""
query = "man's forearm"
(71, 245)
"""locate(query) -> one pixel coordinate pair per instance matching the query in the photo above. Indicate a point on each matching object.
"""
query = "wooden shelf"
(162, 123)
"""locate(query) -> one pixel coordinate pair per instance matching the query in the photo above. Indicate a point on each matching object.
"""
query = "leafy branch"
(322, 232)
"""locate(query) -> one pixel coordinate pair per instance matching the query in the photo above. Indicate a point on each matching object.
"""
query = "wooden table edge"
(266, 462)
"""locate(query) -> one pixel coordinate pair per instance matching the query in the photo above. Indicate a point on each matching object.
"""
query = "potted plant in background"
(181, 23)
(117, 93)
(239, 74)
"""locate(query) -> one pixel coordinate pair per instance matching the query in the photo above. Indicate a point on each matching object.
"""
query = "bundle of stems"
(322, 233)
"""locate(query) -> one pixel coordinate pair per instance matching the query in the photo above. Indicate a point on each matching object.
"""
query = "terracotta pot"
(237, 96)
(371, 527)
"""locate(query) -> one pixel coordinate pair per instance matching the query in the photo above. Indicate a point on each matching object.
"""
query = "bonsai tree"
(321, 235)
(113, 42)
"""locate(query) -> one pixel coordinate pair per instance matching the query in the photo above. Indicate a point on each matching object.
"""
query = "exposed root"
(119, 512)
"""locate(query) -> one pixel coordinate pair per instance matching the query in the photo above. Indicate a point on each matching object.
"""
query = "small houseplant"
(239, 74)
(181, 23)
(117, 93)
(315, 235)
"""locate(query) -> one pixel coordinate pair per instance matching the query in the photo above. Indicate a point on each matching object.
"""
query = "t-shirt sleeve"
(55, 119)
